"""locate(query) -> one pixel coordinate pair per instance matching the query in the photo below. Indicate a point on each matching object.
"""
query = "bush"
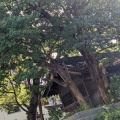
(55, 114)
(114, 87)
(109, 114)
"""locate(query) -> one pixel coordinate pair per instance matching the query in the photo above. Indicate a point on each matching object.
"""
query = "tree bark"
(40, 107)
(32, 110)
(98, 74)
(79, 97)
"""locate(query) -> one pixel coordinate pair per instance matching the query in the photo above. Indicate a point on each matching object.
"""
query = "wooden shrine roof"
(77, 63)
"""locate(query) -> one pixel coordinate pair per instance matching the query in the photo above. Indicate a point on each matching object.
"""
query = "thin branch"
(51, 48)
(5, 51)
(15, 95)
(46, 14)
(43, 12)
(43, 49)
(7, 92)
(25, 105)
(58, 82)
(29, 82)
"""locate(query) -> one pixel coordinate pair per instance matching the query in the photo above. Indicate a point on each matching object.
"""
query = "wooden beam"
(74, 73)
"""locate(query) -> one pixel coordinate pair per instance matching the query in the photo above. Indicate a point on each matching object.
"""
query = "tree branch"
(7, 92)
(25, 105)
(57, 81)
(74, 73)
(15, 95)
(51, 49)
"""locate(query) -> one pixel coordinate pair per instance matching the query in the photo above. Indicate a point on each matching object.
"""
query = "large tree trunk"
(79, 97)
(32, 110)
(98, 74)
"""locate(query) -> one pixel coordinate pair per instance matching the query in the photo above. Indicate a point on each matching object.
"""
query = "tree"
(23, 94)
(25, 33)
(32, 30)
(87, 26)
(93, 33)
(19, 38)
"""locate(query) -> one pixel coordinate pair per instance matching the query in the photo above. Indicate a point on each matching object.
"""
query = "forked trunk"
(97, 73)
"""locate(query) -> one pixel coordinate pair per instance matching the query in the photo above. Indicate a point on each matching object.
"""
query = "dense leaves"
(31, 30)
(114, 86)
